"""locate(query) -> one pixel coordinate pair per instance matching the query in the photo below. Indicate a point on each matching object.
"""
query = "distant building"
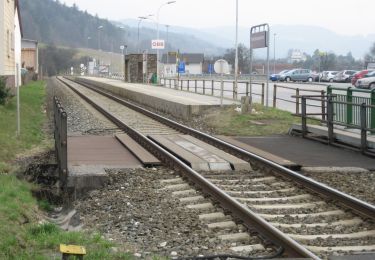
(30, 55)
(193, 63)
(10, 38)
(295, 55)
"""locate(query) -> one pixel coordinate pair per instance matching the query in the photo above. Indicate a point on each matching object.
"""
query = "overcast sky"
(342, 16)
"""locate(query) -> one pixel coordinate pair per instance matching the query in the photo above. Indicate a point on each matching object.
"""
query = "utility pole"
(274, 53)
(236, 55)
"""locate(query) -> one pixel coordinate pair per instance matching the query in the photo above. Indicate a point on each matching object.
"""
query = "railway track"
(306, 218)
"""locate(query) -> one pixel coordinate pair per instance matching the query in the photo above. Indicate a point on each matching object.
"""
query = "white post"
(18, 102)
(236, 56)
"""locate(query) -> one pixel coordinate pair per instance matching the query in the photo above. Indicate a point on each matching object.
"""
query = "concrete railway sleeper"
(276, 208)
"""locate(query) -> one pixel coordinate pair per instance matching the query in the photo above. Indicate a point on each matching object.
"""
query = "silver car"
(297, 75)
(344, 76)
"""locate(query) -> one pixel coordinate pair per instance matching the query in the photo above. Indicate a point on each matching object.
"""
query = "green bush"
(4, 91)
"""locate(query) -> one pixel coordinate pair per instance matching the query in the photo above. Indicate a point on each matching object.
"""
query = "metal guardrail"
(60, 135)
(332, 105)
(351, 114)
(296, 98)
(210, 86)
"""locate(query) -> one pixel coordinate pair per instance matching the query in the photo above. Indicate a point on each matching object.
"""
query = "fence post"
(303, 116)
(204, 87)
(323, 106)
(247, 88)
(188, 85)
(182, 83)
(195, 86)
(212, 88)
(274, 95)
(363, 128)
(234, 90)
(330, 119)
(297, 101)
(372, 110)
(349, 107)
(262, 94)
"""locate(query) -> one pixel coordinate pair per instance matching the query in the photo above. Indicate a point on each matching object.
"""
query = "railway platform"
(177, 103)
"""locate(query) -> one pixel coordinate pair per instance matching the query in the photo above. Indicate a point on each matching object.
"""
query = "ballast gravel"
(136, 211)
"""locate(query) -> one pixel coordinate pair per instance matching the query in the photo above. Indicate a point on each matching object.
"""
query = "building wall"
(7, 39)
(193, 68)
(17, 48)
(2, 35)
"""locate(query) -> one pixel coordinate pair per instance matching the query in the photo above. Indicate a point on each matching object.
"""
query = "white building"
(193, 63)
(295, 55)
(10, 39)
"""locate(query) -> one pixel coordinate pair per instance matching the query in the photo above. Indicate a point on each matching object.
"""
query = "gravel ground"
(82, 118)
(134, 211)
(360, 184)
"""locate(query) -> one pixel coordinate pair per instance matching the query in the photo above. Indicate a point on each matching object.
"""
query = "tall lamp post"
(167, 26)
(274, 53)
(236, 55)
(157, 26)
(141, 18)
(99, 43)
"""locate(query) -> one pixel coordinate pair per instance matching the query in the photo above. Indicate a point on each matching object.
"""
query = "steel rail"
(361, 207)
(249, 218)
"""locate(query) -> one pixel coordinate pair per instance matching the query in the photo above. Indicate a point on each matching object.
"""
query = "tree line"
(318, 61)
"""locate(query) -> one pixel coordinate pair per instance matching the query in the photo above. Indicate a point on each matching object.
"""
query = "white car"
(368, 81)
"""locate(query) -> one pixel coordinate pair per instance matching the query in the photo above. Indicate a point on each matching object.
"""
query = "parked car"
(344, 76)
(327, 76)
(368, 81)
(297, 75)
(359, 75)
(276, 77)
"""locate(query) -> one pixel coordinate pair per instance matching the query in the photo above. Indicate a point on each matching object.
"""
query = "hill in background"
(52, 22)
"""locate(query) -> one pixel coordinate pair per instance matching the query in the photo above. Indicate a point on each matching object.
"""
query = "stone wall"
(134, 68)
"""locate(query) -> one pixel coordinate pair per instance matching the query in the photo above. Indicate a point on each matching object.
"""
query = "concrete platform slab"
(177, 103)
(138, 151)
(99, 150)
(235, 162)
(89, 156)
(306, 152)
(263, 153)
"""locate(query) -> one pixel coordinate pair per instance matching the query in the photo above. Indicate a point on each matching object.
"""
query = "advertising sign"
(157, 44)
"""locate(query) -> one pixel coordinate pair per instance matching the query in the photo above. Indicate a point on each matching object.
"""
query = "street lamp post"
(88, 39)
(141, 18)
(157, 26)
(236, 55)
(274, 53)
(99, 43)
(167, 26)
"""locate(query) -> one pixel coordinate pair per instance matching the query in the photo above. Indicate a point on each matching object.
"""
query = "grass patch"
(22, 235)
(32, 118)
(264, 121)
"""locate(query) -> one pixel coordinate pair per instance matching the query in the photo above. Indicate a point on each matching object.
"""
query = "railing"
(60, 134)
(349, 114)
(294, 98)
(333, 107)
(213, 87)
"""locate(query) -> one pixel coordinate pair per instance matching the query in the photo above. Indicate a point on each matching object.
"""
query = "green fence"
(349, 114)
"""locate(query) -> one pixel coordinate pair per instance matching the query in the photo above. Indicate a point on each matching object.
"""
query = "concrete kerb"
(341, 170)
